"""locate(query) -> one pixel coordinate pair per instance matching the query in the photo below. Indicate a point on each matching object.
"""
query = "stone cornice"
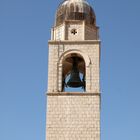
(56, 42)
(72, 94)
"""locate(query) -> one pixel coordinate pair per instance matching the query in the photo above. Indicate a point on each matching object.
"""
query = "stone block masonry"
(73, 117)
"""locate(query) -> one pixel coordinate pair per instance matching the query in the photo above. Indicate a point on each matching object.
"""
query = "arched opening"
(77, 8)
(73, 73)
(72, 7)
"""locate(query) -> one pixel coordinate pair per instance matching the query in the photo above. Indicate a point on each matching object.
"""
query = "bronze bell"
(75, 80)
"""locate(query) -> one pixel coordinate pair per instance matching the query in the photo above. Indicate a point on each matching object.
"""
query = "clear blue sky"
(24, 32)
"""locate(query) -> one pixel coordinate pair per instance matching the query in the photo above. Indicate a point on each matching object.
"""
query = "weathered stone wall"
(58, 33)
(83, 32)
(79, 35)
(91, 33)
(73, 117)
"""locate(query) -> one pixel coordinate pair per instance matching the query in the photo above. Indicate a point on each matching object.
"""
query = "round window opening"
(74, 31)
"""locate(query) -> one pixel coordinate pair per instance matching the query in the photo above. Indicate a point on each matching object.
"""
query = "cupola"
(75, 10)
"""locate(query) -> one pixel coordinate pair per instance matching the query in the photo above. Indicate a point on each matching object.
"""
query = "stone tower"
(73, 108)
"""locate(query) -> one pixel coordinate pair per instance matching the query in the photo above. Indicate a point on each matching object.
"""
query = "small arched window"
(77, 9)
(72, 7)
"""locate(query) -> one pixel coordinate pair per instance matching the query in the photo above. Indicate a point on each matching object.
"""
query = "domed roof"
(75, 10)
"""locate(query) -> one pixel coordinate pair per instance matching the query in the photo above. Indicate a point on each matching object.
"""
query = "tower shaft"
(73, 113)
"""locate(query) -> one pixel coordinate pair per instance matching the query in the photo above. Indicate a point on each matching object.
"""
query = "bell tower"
(73, 96)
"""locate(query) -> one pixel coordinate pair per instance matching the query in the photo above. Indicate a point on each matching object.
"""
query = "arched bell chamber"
(74, 72)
